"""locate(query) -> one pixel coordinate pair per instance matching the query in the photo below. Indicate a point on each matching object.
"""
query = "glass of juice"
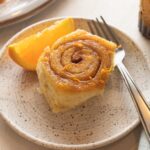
(144, 18)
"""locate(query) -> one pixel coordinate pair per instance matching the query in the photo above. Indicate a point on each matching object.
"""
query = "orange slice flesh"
(27, 51)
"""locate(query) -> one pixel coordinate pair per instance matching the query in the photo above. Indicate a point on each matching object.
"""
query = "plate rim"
(54, 145)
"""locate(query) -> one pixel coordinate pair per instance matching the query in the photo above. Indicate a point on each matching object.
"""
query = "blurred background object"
(12, 11)
(1, 1)
(144, 18)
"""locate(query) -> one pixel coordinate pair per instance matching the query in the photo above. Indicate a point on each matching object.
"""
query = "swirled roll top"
(76, 63)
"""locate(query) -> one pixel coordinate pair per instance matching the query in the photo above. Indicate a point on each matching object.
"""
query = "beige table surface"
(122, 14)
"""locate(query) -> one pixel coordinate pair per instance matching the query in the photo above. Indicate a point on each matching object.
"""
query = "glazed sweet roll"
(75, 69)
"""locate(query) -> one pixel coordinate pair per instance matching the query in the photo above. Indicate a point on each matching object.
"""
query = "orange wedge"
(27, 51)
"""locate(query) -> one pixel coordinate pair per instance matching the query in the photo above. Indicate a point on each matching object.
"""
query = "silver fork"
(139, 100)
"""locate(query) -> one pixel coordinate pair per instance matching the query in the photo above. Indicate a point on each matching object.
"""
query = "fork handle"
(138, 98)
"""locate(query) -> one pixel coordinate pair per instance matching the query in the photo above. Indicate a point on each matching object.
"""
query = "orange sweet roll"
(75, 69)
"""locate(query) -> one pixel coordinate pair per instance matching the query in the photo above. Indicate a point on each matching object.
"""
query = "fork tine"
(105, 35)
(90, 27)
(96, 28)
(93, 27)
(110, 31)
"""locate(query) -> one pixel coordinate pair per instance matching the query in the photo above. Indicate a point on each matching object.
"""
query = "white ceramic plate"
(144, 144)
(12, 11)
(98, 122)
